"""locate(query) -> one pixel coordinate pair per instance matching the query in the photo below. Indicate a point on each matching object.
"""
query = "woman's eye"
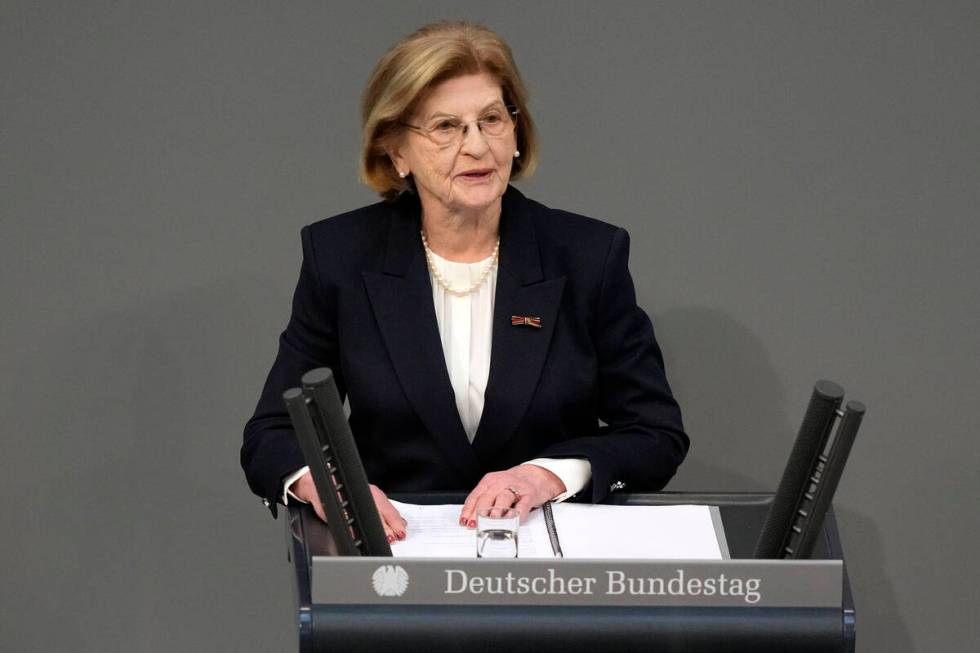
(444, 126)
(491, 119)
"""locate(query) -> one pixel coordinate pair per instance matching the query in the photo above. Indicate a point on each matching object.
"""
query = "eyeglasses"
(451, 131)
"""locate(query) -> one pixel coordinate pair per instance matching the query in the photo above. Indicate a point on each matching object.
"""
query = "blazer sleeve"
(270, 451)
(643, 440)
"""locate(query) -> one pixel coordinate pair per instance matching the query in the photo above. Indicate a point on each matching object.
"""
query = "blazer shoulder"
(559, 225)
(571, 239)
(357, 222)
(348, 241)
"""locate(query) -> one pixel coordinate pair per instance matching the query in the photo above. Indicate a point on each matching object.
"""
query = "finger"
(389, 534)
(390, 517)
(480, 498)
(468, 512)
(380, 500)
(504, 499)
(389, 531)
(395, 519)
(524, 507)
(395, 522)
(484, 503)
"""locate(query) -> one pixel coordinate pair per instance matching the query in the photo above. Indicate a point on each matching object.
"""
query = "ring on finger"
(513, 490)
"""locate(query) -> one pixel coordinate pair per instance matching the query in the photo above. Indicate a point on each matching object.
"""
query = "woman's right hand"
(393, 523)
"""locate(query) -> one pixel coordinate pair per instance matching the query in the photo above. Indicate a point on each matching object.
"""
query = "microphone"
(810, 477)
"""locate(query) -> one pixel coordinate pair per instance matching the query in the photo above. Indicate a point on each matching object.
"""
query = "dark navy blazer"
(363, 307)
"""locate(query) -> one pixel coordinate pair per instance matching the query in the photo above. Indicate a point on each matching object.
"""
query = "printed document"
(682, 532)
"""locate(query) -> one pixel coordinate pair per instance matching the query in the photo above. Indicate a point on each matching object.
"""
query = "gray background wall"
(800, 180)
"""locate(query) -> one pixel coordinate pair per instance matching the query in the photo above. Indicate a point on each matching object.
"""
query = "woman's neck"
(462, 237)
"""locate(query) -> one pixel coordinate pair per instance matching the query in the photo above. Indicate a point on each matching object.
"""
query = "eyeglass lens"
(449, 130)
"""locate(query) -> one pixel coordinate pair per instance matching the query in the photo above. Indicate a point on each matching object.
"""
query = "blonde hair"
(412, 68)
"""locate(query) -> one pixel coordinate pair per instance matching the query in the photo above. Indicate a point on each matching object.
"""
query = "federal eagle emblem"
(390, 580)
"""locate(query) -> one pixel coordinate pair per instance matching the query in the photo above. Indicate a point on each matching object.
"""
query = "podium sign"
(635, 583)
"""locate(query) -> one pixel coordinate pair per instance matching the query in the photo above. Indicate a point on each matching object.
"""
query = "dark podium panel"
(591, 629)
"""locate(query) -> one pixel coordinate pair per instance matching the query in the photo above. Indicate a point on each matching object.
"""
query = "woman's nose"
(473, 139)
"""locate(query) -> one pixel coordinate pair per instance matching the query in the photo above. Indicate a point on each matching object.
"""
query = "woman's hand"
(393, 523)
(524, 487)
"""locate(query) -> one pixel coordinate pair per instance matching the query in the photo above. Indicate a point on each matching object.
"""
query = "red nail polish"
(401, 535)
(391, 538)
(472, 523)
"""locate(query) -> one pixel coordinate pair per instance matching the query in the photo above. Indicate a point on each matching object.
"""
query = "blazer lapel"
(518, 352)
(401, 298)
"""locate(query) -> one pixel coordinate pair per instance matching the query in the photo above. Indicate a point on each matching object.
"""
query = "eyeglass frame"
(512, 112)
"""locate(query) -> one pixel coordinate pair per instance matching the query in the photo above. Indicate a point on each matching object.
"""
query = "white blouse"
(466, 330)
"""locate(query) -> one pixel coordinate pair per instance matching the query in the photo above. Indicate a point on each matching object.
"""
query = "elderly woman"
(478, 335)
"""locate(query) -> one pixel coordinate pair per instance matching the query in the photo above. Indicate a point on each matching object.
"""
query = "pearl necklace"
(442, 280)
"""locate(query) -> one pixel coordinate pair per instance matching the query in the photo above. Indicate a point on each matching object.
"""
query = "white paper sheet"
(681, 532)
(585, 531)
(434, 532)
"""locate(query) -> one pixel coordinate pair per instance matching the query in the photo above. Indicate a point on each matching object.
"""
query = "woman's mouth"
(481, 174)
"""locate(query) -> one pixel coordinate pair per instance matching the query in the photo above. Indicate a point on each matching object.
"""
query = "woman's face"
(472, 172)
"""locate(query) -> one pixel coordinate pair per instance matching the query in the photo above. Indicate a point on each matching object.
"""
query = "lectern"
(351, 595)
(570, 628)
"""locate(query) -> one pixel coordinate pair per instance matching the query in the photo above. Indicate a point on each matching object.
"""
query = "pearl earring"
(402, 174)
(517, 154)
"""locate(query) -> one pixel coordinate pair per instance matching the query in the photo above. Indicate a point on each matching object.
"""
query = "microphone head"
(828, 390)
(292, 393)
(855, 407)
(317, 377)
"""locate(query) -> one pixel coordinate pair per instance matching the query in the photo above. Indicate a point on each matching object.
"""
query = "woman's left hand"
(523, 487)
